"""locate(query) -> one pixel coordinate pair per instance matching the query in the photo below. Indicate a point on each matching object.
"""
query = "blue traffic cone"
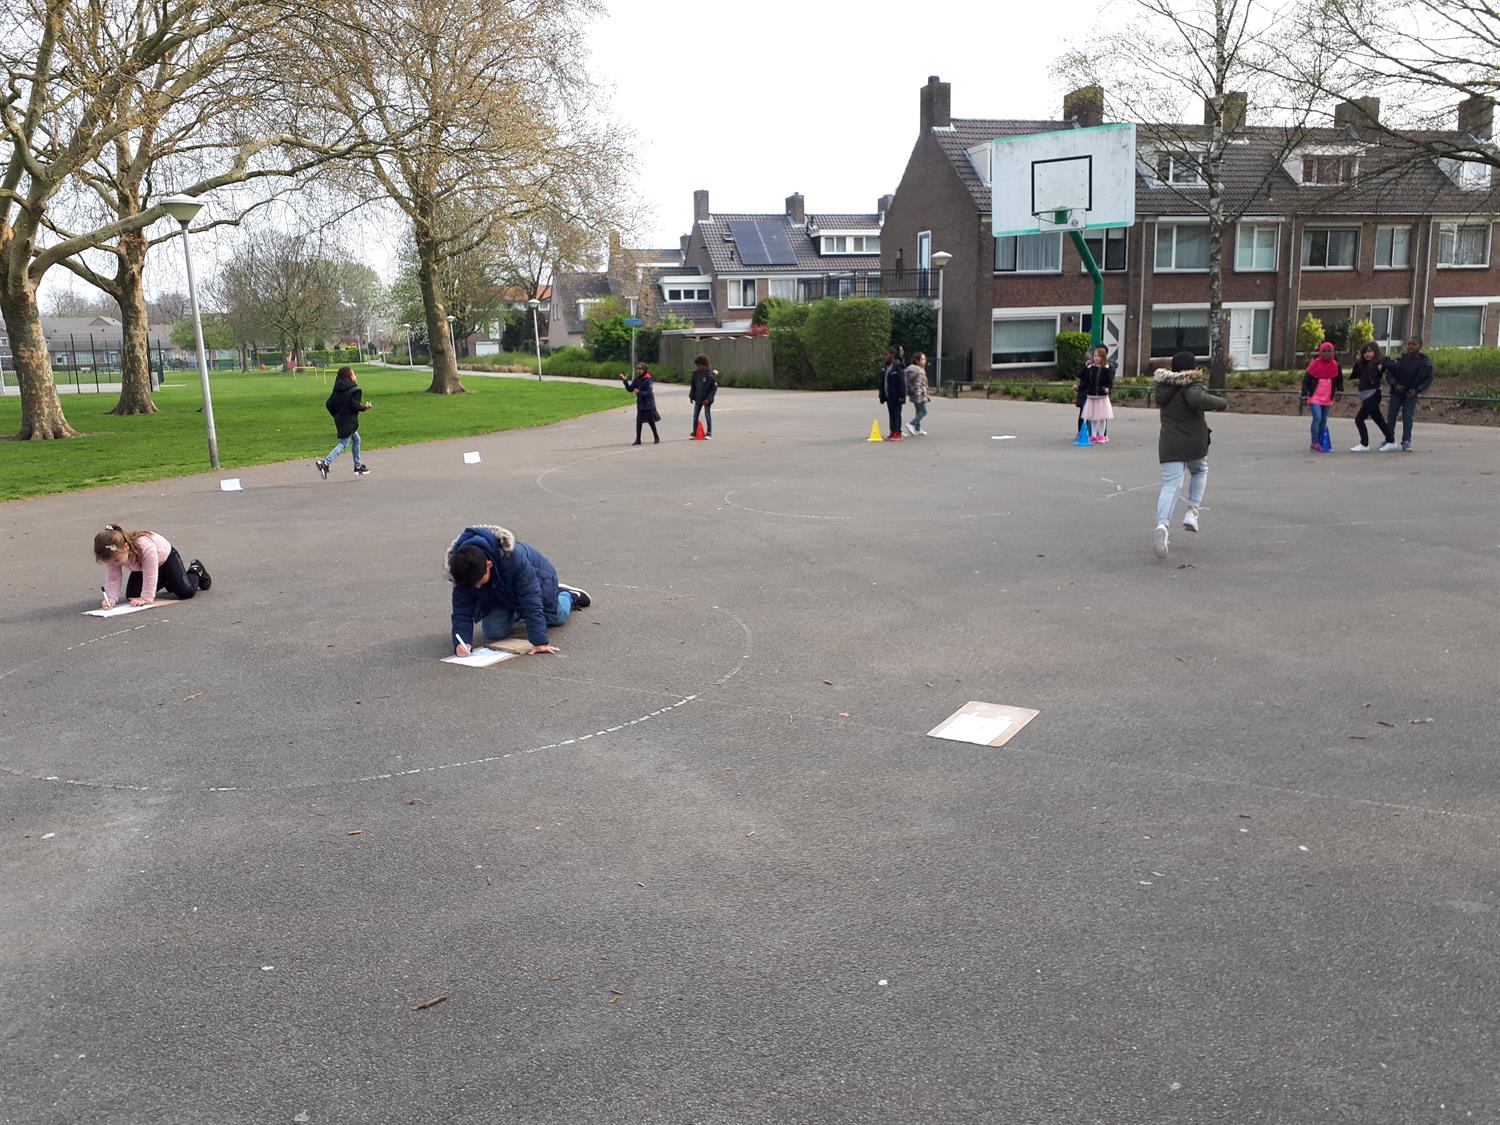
(1325, 441)
(1083, 436)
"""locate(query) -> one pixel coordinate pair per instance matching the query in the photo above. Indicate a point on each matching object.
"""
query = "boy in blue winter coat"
(497, 581)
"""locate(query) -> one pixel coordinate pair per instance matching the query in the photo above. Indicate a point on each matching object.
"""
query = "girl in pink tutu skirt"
(1095, 380)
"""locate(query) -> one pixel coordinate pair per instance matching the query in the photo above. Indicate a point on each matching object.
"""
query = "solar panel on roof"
(779, 250)
(762, 242)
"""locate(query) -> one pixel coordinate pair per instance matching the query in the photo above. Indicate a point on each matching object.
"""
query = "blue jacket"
(522, 581)
(645, 393)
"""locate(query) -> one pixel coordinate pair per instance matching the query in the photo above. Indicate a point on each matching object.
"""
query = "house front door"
(1240, 321)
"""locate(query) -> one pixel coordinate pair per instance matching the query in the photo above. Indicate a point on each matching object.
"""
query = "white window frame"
(1394, 228)
(689, 293)
(1173, 160)
(1174, 308)
(1254, 229)
(1105, 236)
(784, 283)
(1174, 225)
(737, 292)
(1390, 308)
(1353, 164)
(1306, 234)
(1049, 271)
(1442, 303)
(1270, 318)
(826, 244)
(1001, 315)
(1450, 231)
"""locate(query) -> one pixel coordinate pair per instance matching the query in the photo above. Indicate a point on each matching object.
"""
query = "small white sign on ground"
(231, 485)
(119, 610)
(480, 658)
(472, 457)
(983, 724)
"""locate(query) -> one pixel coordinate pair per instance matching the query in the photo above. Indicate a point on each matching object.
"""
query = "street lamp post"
(536, 336)
(452, 342)
(940, 259)
(183, 208)
(410, 359)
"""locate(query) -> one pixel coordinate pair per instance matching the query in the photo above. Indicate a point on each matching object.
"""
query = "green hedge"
(1464, 363)
(1072, 350)
(914, 327)
(845, 341)
(789, 358)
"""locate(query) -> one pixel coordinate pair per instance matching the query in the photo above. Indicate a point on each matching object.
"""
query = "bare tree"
(1213, 53)
(492, 102)
(282, 287)
(70, 303)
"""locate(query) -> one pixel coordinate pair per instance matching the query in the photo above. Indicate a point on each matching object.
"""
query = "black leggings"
(1370, 408)
(170, 575)
(894, 410)
(645, 420)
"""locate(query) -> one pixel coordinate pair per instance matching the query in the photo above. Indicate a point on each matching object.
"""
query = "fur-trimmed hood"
(504, 539)
(1165, 376)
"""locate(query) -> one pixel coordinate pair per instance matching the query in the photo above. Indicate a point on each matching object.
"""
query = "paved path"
(705, 866)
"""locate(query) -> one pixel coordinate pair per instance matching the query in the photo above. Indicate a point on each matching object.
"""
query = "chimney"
(936, 99)
(614, 245)
(1356, 112)
(682, 244)
(1235, 104)
(884, 205)
(700, 205)
(1476, 115)
(795, 210)
(1085, 106)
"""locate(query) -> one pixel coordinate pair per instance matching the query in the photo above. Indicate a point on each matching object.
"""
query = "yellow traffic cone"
(875, 431)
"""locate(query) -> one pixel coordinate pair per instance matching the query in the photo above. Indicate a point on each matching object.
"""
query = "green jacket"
(1182, 399)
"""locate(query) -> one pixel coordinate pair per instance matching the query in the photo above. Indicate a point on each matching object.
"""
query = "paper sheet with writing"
(118, 611)
(479, 658)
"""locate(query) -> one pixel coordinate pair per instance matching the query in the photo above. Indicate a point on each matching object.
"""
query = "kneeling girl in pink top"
(153, 564)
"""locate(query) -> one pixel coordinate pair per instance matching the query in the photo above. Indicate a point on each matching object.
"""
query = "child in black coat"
(346, 406)
(643, 386)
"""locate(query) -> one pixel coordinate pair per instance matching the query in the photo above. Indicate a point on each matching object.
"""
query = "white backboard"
(1086, 174)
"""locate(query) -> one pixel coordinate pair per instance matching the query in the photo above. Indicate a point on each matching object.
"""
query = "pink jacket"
(153, 549)
(1323, 372)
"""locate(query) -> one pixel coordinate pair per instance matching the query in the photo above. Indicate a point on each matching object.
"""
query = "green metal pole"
(1096, 336)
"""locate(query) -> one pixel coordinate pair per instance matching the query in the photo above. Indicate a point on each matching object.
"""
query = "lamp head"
(451, 318)
(533, 304)
(941, 258)
(182, 207)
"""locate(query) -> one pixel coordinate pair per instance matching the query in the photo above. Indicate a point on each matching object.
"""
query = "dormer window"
(1329, 170)
(851, 244)
(1181, 169)
(1467, 175)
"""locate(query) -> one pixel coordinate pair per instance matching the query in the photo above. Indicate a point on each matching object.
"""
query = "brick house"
(736, 260)
(1335, 222)
(647, 281)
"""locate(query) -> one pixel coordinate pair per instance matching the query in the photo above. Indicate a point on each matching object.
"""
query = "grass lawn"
(263, 417)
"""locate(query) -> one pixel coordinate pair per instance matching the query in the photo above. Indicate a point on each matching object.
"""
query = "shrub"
(766, 309)
(1361, 332)
(789, 357)
(914, 326)
(1309, 334)
(1464, 363)
(1481, 397)
(845, 340)
(1072, 350)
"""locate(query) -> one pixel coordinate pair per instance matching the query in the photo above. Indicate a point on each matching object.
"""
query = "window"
(1457, 326)
(1028, 253)
(1390, 324)
(1182, 169)
(867, 244)
(1173, 332)
(924, 262)
(1392, 248)
(1329, 169)
(1256, 248)
(688, 293)
(1260, 332)
(835, 244)
(1108, 248)
(1463, 244)
(841, 288)
(784, 287)
(742, 293)
(1023, 341)
(1330, 248)
(851, 244)
(1182, 246)
(585, 305)
(872, 285)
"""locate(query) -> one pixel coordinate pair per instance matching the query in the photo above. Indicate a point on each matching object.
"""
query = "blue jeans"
(708, 417)
(916, 419)
(1171, 485)
(1319, 421)
(498, 623)
(1406, 406)
(352, 439)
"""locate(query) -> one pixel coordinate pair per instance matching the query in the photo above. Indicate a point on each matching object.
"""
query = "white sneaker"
(911, 429)
(1361, 448)
(1388, 446)
(1159, 543)
(922, 432)
(1190, 520)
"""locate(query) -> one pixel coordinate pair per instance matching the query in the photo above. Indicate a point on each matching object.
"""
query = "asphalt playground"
(705, 865)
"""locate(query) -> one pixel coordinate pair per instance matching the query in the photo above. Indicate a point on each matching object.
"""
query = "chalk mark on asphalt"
(85, 644)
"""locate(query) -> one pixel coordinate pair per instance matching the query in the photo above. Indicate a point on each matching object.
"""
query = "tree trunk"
(1218, 327)
(444, 365)
(135, 349)
(41, 413)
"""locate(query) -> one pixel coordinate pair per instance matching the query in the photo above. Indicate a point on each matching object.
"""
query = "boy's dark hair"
(700, 360)
(466, 565)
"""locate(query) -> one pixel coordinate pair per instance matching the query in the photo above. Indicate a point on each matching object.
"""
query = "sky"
(757, 101)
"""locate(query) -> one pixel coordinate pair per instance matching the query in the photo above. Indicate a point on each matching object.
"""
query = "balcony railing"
(895, 285)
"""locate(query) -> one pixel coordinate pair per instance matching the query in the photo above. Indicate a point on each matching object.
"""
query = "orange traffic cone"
(698, 434)
(875, 431)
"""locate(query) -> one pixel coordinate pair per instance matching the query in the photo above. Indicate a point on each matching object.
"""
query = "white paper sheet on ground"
(479, 658)
(1002, 437)
(231, 485)
(119, 610)
(471, 458)
(983, 724)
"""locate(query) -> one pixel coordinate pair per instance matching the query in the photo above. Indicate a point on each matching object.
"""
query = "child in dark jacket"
(1095, 380)
(701, 392)
(346, 406)
(893, 390)
(644, 389)
(1323, 383)
(1183, 445)
(498, 581)
(1369, 372)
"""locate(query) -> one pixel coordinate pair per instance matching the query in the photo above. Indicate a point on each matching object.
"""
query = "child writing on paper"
(153, 563)
(497, 581)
